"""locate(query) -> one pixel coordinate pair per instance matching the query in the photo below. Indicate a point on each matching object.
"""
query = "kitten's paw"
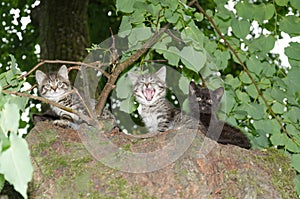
(62, 123)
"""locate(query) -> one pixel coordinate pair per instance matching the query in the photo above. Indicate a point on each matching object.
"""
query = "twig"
(82, 116)
(122, 66)
(95, 65)
(196, 3)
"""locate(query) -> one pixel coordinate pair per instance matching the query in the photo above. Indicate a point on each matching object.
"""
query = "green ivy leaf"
(9, 119)
(192, 59)
(240, 28)
(16, 164)
(290, 24)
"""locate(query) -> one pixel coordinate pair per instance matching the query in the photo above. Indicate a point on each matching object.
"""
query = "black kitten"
(204, 105)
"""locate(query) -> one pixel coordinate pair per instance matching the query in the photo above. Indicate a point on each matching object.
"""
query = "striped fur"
(56, 87)
(150, 92)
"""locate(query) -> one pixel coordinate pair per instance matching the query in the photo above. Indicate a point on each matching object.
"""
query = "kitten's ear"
(63, 72)
(162, 73)
(192, 88)
(40, 76)
(218, 93)
(133, 77)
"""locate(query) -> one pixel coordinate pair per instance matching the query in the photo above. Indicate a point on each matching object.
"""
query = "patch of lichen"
(282, 174)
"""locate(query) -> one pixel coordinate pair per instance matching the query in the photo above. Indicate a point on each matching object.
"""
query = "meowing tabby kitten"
(56, 87)
(208, 102)
(156, 111)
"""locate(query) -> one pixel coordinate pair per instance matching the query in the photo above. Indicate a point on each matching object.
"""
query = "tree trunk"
(63, 27)
(66, 167)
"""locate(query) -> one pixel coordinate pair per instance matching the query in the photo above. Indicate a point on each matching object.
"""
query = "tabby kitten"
(156, 111)
(208, 102)
(56, 87)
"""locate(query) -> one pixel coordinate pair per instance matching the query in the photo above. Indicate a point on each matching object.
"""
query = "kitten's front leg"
(65, 121)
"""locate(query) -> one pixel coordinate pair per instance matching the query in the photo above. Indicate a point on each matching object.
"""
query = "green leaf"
(128, 105)
(232, 81)
(291, 145)
(184, 84)
(9, 119)
(256, 111)
(192, 59)
(245, 78)
(293, 51)
(267, 126)
(125, 6)
(278, 108)
(293, 114)
(258, 12)
(282, 2)
(293, 79)
(295, 4)
(263, 44)
(242, 96)
(138, 35)
(240, 28)
(295, 162)
(172, 55)
(2, 181)
(123, 87)
(290, 24)
(199, 16)
(125, 27)
(278, 139)
(16, 164)
(172, 17)
(254, 65)
(292, 130)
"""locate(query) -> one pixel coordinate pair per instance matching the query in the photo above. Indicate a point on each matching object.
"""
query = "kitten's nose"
(147, 84)
(54, 88)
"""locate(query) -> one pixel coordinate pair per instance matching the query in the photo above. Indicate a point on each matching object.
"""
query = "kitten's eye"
(47, 86)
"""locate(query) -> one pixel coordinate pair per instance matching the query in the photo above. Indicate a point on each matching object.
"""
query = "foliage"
(270, 116)
(15, 165)
(16, 37)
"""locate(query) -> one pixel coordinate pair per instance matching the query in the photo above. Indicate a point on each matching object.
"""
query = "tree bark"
(63, 29)
(65, 168)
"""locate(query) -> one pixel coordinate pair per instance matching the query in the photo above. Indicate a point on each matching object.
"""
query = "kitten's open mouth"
(148, 93)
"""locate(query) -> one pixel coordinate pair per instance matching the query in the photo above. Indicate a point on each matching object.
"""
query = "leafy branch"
(201, 10)
(120, 67)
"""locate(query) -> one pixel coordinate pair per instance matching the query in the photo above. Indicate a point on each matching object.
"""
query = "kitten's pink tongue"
(148, 93)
